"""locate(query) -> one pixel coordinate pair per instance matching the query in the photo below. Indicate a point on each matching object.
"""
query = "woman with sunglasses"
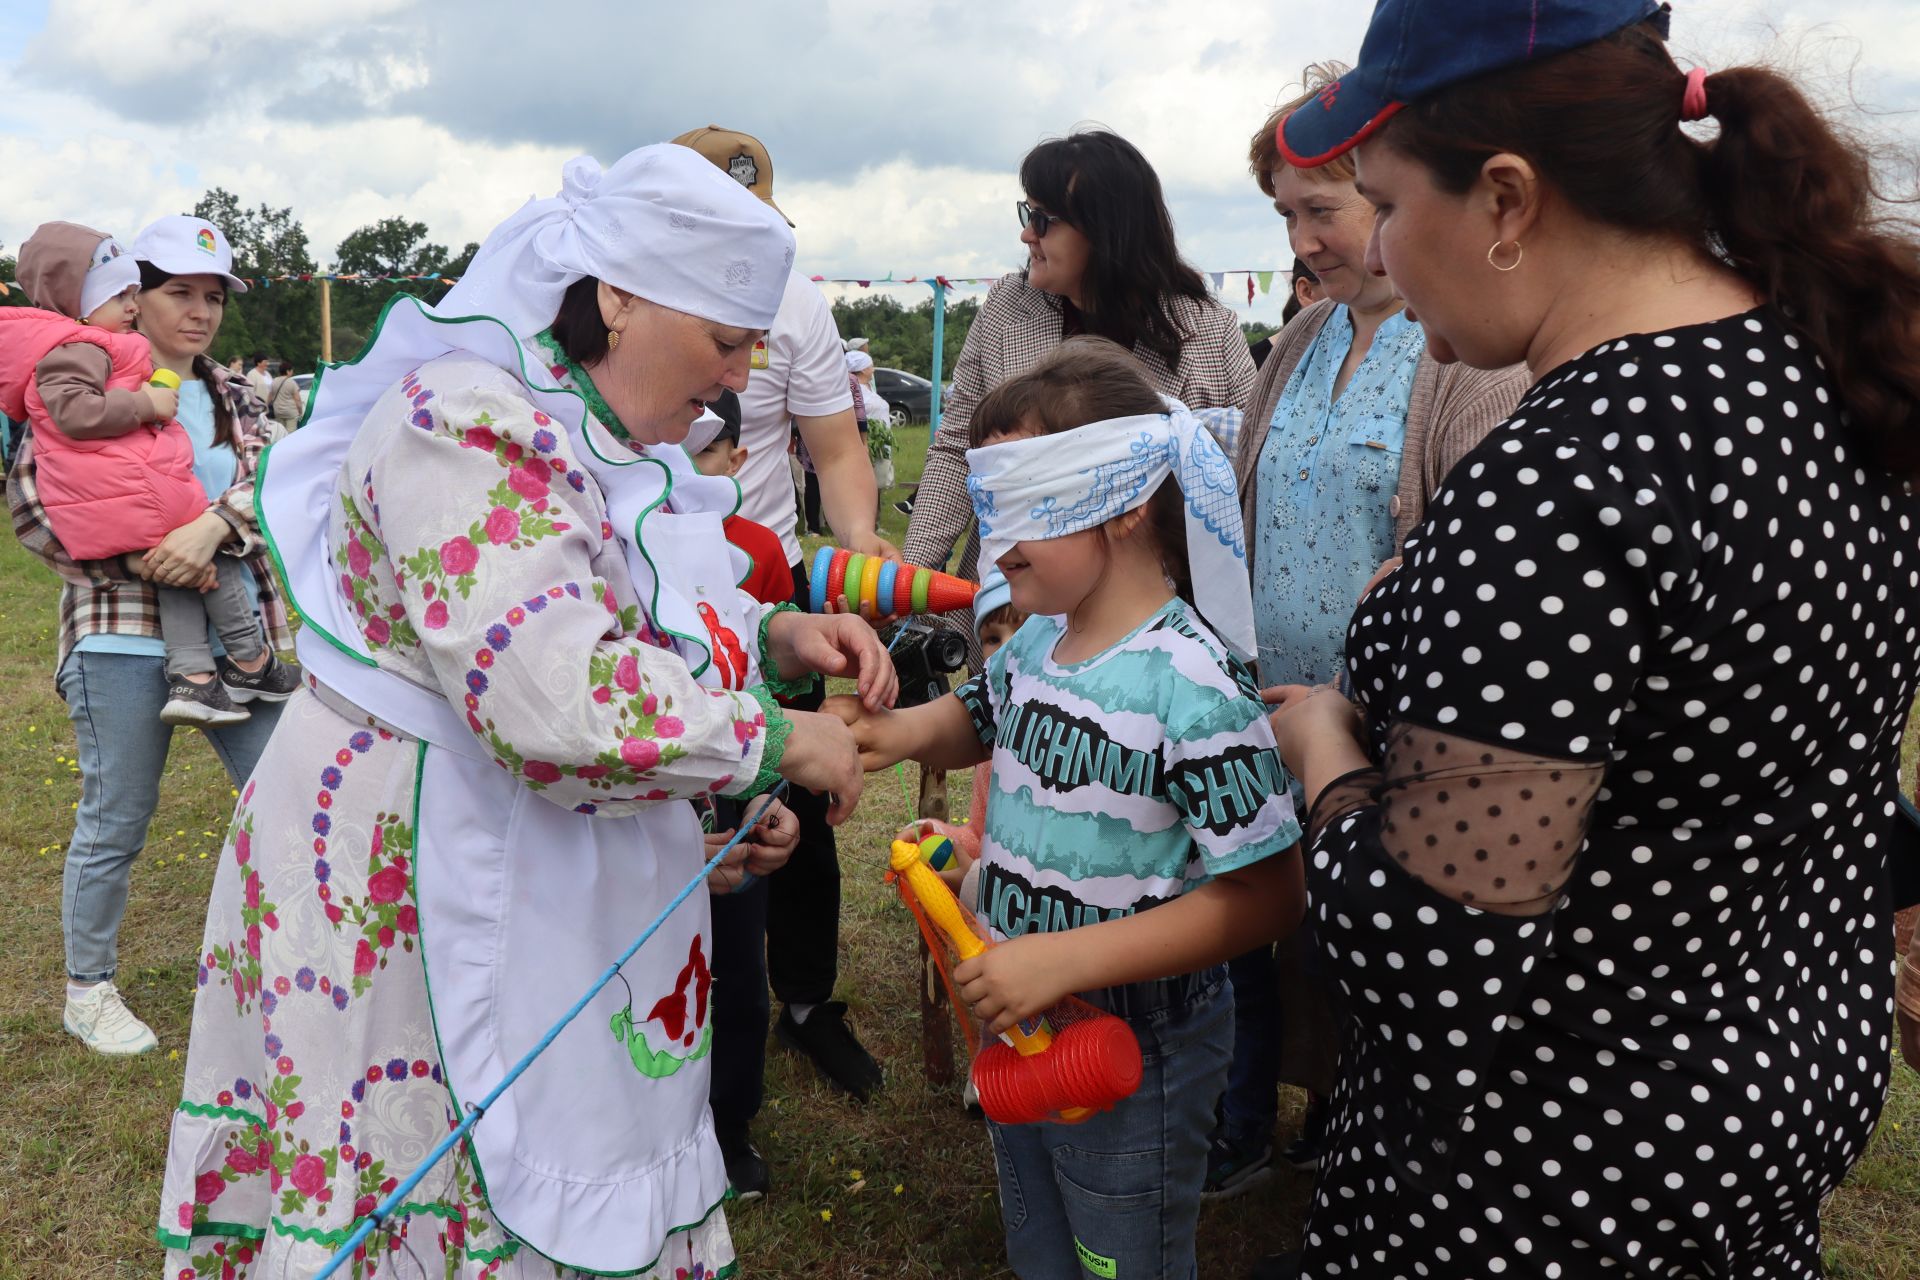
(1101, 259)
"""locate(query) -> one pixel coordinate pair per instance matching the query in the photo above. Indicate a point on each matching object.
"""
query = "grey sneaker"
(205, 705)
(274, 682)
(104, 1024)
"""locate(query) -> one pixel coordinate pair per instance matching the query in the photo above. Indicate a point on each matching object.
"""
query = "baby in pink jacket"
(113, 470)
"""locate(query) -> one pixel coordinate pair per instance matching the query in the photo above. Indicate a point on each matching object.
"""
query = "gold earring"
(1518, 253)
(613, 339)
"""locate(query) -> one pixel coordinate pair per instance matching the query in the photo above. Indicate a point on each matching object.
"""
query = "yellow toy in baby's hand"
(165, 378)
(936, 851)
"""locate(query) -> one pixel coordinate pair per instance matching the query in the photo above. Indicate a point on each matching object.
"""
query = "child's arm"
(940, 734)
(1221, 919)
(72, 379)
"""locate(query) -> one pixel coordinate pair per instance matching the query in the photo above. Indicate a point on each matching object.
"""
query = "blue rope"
(475, 1110)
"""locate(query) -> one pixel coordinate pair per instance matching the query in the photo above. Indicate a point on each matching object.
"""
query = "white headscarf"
(663, 223)
(1044, 487)
(858, 361)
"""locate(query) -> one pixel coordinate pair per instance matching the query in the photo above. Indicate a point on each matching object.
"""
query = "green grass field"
(903, 1187)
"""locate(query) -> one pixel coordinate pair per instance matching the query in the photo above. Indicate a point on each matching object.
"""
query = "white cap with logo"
(182, 245)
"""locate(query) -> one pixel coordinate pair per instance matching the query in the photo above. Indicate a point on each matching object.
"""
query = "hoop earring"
(1518, 253)
(613, 339)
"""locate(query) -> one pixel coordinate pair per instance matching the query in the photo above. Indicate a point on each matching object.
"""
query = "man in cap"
(798, 381)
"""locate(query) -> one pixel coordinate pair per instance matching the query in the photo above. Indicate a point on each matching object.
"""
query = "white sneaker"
(104, 1024)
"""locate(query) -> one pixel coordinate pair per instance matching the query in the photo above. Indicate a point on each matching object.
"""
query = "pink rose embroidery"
(481, 438)
(641, 753)
(407, 920)
(541, 771)
(458, 556)
(386, 885)
(242, 846)
(309, 1174)
(240, 1160)
(359, 559)
(603, 695)
(379, 630)
(503, 525)
(362, 959)
(626, 674)
(208, 1186)
(436, 616)
(649, 705)
(529, 480)
(669, 726)
(186, 1215)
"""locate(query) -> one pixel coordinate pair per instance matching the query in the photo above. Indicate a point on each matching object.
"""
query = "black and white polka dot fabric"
(1671, 598)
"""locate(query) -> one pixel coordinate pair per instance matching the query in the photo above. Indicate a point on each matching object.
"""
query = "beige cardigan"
(1452, 409)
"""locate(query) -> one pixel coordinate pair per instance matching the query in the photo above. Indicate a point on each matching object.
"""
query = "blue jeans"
(1252, 1104)
(114, 701)
(1117, 1196)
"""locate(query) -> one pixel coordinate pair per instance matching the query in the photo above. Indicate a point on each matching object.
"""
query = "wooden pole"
(326, 320)
(939, 351)
(936, 1032)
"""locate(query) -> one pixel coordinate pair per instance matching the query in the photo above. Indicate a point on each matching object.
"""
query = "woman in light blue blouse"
(1355, 423)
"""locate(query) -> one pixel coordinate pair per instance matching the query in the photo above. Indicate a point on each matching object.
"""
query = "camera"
(925, 654)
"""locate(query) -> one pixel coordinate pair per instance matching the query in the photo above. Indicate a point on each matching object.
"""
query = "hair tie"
(1693, 105)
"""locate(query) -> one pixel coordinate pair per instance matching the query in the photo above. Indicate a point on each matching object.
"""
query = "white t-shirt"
(876, 407)
(805, 373)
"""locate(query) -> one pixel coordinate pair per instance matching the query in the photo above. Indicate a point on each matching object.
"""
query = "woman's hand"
(765, 849)
(183, 556)
(872, 544)
(1017, 979)
(834, 645)
(1310, 722)
(821, 756)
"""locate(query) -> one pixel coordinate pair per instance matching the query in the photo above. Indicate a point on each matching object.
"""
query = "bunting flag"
(1219, 279)
(1266, 280)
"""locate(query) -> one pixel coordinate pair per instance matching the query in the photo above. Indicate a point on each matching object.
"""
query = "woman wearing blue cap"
(1599, 859)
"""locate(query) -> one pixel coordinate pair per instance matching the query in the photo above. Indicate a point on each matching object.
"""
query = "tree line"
(282, 318)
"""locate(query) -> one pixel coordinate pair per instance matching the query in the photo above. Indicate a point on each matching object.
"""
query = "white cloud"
(896, 130)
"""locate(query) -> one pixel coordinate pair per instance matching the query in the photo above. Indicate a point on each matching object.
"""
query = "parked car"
(304, 381)
(909, 395)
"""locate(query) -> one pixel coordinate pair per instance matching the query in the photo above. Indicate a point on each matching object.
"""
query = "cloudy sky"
(896, 128)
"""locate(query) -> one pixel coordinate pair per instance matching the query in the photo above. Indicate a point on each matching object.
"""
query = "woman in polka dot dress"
(1598, 861)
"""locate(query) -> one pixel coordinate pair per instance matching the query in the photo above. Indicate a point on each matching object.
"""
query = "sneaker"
(970, 1099)
(274, 682)
(746, 1170)
(1235, 1167)
(104, 1024)
(1303, 1153)
(200, 704)
(826, 1038)
(904, 506)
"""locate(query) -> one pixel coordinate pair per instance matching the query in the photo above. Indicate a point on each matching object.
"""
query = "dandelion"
(898, 1187)
(855, 1174)
(826, 1215)
(173, 1055)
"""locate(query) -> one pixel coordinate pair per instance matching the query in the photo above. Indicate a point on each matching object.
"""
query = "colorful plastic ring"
(883, 599)
(870, 588)
(836, 574)
(921, 582)
(850, 588)
(817, 579)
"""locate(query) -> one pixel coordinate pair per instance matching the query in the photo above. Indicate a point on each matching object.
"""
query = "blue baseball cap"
(1417, 47)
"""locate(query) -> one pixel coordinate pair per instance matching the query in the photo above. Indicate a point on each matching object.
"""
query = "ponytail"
(1794, 209)
(1780, 195)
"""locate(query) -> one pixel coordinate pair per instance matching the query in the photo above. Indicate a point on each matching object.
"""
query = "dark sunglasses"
(1039, 219)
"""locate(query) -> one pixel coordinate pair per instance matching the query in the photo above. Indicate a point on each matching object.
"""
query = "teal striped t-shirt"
(1123, 781)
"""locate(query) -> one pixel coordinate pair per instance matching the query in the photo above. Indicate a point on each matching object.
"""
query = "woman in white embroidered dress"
(528, 652)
